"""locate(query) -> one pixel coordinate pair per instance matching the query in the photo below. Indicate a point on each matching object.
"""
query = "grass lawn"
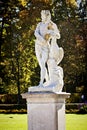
(13, 122)
(76, 122)
(19, 122)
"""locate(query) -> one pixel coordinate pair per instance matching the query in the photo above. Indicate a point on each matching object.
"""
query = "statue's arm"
(37, 33)
(56, 31)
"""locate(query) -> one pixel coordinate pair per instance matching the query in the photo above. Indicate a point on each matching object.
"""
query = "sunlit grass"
(19, 122)
(76, 122)
(13, 122)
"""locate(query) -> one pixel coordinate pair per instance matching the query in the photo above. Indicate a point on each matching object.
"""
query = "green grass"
(13, 122)
(76, 122)
(19, 122)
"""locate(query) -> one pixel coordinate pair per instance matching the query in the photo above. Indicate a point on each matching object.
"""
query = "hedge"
(11, 99)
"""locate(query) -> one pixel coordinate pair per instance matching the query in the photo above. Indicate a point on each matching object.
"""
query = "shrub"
(83, 109)
(10, 99)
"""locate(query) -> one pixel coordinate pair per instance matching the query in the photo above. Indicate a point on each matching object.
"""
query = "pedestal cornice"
(45, 96)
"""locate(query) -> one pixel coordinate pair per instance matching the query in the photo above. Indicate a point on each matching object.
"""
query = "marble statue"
(48, 54)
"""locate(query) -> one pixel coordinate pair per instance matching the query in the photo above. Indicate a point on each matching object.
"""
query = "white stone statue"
(49, 54)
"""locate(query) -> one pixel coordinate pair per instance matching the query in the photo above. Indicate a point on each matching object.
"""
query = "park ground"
(19, 121)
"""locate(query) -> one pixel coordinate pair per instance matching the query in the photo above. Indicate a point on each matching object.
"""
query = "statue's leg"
(50, 68)
(42, 72)
(43, 61)
(46, 75)
(42, 56)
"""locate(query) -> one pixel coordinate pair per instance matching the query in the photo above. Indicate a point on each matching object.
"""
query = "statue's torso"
(43, 29)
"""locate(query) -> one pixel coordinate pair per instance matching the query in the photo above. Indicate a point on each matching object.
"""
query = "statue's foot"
(41, 85)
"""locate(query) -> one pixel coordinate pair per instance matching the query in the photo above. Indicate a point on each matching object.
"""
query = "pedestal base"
(49, 88)
(46, 110)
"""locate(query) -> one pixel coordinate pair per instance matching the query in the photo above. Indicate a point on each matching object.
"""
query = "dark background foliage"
(19, 68)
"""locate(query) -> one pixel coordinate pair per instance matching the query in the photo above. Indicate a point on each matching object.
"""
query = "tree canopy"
(19, 66)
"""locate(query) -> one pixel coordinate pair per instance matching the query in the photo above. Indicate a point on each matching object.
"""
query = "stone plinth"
(46, 110)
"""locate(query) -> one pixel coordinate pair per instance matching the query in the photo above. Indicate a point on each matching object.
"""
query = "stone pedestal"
(46, 110)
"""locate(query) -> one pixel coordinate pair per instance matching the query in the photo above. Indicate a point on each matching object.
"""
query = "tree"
(18, 46)
(73, 42)
(19, 66)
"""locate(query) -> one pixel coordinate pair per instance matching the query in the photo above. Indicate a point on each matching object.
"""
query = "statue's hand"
(47, 36)
(58, 36)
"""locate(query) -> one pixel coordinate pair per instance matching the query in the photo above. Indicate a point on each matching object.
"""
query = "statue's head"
(45, 15)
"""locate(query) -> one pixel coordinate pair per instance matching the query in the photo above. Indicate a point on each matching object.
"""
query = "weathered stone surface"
(46, 110)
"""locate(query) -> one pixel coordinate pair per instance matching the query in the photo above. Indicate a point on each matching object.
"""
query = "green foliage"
(19, 66)
(10, 99)
(74, 43)
(83, 109)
